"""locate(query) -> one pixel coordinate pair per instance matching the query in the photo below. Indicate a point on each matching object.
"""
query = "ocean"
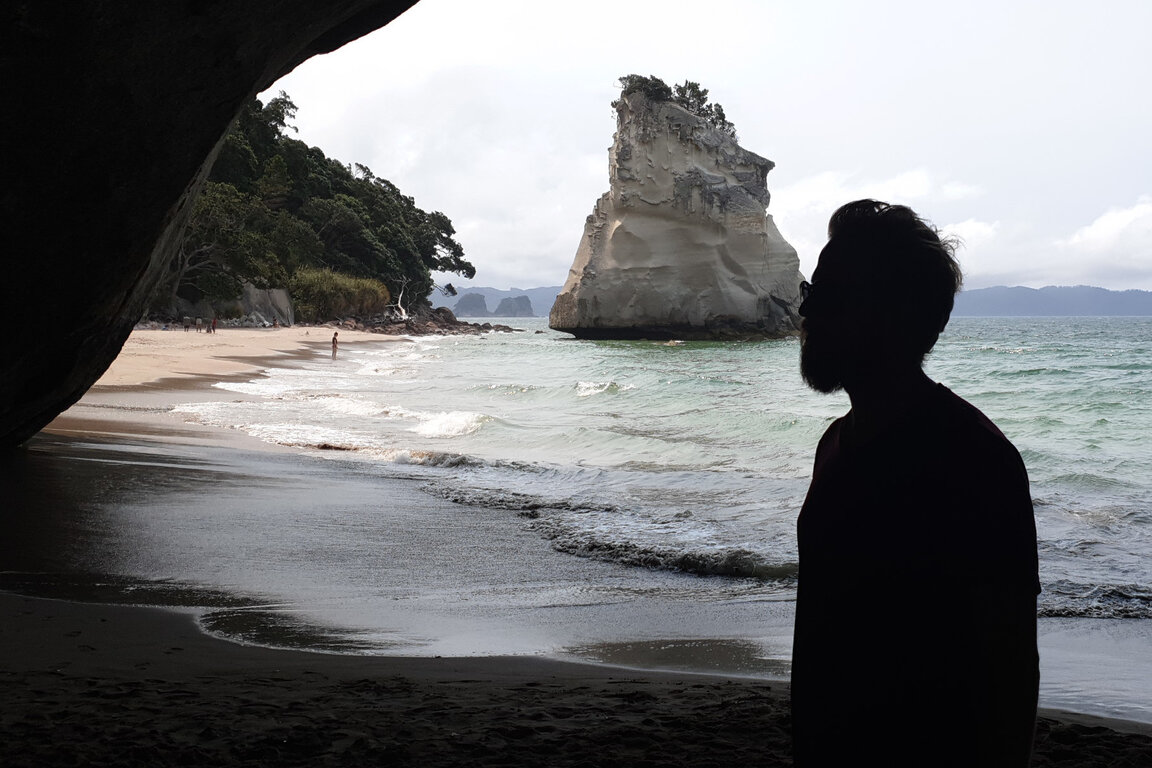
(628, 502)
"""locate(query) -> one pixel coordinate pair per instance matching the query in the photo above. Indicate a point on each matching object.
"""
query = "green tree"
(275, 184)
(691, 96)
(652, 87)
(236, 164)
(275, 206)
(292, 242)
(223, 248)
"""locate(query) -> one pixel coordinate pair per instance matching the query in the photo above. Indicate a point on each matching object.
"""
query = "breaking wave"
(590, 388)
(609, 533)
(450, 424)
(1096, 601)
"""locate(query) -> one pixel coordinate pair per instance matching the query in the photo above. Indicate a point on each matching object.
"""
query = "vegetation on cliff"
(278, 213)
(688, 94)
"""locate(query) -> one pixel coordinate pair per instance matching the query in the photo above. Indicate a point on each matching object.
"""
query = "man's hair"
(915, 270)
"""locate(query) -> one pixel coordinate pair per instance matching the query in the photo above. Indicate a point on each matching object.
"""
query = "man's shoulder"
(965, 421)
(830, 440)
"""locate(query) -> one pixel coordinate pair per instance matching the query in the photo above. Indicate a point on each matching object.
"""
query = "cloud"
(1117, 233)
(972, 233)
(977, 250)
(1115, 248)
(477, 110)
(1113, 251)
(830, 189)
(801, 209)
(957, 190)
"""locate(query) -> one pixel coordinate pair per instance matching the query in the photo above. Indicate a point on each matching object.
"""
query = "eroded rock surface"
(681, 246)
(113, 113)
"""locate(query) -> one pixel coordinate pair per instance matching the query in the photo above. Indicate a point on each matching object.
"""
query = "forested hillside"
(280, 214)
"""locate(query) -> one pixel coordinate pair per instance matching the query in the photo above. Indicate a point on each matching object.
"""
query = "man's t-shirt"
(915, 618)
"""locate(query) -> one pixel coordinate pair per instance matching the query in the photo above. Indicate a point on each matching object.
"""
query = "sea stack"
(681, 246)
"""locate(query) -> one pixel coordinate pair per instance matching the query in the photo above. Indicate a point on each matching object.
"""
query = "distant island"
(475, 305)
(1052, 300)
(510, 302)
(1000, 301)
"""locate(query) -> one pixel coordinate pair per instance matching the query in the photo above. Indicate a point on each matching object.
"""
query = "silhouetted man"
(916, 615)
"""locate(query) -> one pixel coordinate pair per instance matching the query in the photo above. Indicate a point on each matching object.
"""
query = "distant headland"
(1052, 300)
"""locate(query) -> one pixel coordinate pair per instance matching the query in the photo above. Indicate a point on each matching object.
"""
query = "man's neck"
(884, 401)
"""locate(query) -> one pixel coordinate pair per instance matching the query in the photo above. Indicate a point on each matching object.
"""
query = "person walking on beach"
(335, 344)
(915, 637)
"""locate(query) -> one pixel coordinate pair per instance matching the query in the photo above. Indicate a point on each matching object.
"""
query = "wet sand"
(85, 684)
(88, 684)
(135, 686)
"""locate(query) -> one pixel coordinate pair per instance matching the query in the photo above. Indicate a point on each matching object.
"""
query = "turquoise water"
(1075, 395)
(631, 503)
(696, 456)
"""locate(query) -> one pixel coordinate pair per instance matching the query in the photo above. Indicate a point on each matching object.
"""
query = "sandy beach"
(150, 356)
(85, 683)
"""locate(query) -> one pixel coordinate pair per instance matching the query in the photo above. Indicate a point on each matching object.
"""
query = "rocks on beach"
(439, 321)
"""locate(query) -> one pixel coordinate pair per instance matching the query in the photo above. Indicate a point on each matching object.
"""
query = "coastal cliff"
(681, 246)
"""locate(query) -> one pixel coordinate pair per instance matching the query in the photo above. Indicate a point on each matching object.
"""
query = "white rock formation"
(681, 246)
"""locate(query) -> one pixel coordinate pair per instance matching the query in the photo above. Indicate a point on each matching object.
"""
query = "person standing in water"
(915, 638)
(335, 344)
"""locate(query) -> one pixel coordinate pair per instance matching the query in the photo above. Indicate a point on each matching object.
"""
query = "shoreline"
(517, 710)
(155, 365)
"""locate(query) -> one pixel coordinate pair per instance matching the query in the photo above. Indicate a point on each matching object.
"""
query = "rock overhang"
(121, 109)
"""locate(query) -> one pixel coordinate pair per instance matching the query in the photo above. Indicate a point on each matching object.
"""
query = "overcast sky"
(1023, 127)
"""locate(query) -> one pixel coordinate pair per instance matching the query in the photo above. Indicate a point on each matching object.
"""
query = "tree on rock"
(689, 95)
(652, 87)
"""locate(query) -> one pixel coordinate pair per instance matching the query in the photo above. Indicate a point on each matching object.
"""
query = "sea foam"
(450, 423)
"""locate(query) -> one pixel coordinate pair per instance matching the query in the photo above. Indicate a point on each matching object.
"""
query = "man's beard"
(821, 369)
(832, 361)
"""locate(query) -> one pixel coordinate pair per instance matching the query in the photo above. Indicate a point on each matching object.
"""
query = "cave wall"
(113, 114)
